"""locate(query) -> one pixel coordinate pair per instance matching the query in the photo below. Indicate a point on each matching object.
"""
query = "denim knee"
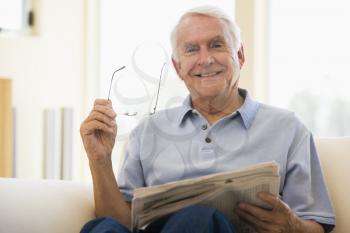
(197, 219)
(104, 225)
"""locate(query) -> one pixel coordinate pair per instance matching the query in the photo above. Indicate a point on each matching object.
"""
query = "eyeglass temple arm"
(160, 81)
(110, 85)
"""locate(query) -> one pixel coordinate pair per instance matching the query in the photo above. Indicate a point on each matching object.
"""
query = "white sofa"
(335, 158)
(41, 206)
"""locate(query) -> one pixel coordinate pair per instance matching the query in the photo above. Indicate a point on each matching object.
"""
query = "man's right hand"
(98, 131)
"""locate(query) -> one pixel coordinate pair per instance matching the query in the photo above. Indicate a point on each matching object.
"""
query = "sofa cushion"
(43, 206)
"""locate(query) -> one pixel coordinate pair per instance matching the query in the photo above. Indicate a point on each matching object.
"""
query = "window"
(14, 15)
(309, 62)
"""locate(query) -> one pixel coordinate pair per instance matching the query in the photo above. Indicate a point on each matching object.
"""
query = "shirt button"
(208, 140)
(204, 127)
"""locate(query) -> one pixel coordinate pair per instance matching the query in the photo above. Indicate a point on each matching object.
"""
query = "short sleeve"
(130, 175)
(304, 188)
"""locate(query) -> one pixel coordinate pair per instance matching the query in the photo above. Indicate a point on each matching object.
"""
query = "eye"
(217, 44)
(191, 49)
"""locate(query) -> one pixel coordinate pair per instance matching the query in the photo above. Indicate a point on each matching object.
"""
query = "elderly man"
(218, 128)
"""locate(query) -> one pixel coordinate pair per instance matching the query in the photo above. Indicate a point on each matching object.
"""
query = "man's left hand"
(279, 219)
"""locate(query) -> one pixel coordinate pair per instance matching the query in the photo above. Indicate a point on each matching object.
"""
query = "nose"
(205, 58)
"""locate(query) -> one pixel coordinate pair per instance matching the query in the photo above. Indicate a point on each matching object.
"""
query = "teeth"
(209, 74)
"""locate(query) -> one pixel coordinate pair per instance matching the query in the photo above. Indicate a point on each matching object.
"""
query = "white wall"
(47, 71)
(56, 67)
(251, 16)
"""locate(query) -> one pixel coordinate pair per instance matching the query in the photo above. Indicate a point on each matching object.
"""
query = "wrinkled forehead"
(202, 27)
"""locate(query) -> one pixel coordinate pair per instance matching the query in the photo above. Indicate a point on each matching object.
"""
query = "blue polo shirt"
(178, 143)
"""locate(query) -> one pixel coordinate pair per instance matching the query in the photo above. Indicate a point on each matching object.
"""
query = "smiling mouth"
(211, 74)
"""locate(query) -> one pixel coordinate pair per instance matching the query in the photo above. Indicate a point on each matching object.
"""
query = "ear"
(241, 58)
(177, 66)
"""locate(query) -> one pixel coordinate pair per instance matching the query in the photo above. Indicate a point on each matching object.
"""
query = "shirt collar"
(185, 109)
(247, 111)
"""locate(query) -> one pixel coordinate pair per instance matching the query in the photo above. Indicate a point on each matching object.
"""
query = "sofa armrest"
(44, 206)
(335, 159)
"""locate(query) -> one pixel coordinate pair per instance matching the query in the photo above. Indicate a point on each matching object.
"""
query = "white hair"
(210, 11)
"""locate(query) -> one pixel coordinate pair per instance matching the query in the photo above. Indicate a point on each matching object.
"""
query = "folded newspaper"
(222, 191)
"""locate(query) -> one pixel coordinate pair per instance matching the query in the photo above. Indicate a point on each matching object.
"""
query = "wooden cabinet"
(5, 128)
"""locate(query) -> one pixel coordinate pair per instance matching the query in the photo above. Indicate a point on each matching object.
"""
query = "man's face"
(205, 57)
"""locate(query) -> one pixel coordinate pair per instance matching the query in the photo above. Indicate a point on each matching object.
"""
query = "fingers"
(103, 102)
(275, 202)
(102, 117)
(278, 219)
(89, 127)
(105, 107)
(107, 110)
(251, 220)
(259, 213)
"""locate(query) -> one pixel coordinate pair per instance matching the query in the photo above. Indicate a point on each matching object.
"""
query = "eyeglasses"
(158, 89)
(110, 85)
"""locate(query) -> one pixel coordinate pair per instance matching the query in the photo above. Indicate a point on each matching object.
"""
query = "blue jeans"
(193, 219)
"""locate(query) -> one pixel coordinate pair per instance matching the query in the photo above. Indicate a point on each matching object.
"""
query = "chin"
(209, 94)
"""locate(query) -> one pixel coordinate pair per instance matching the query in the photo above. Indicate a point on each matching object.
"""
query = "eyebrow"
(187, 45)
(214, 39)
(218, 38)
